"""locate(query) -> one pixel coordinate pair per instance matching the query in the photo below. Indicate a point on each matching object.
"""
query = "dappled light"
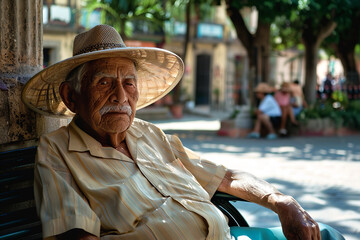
(283, 148)
(311, 169)
(334, 206)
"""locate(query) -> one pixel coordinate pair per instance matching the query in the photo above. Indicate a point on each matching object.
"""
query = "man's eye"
(104, 82)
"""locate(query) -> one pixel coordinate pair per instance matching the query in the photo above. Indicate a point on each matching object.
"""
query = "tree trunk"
(48, 4)
(312, 39)
(346, 53)
(345, 49)
(177, 89)
(262, 41)
(311, 59)
(257, 47)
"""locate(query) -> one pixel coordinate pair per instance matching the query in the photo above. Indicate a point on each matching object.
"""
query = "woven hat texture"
(158, 71)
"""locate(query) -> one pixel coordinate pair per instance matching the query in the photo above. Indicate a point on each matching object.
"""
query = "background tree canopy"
(305, 25)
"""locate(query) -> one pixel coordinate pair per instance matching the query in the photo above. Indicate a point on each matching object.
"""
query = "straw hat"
(285, 87)
(158, 71)
(264, 88)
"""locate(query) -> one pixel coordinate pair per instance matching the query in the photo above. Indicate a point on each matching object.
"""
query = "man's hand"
(295, 221)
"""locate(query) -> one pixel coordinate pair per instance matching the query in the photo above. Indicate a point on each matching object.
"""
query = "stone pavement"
(321, 173)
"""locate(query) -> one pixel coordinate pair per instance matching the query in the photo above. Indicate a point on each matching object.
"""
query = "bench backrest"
(18, 218)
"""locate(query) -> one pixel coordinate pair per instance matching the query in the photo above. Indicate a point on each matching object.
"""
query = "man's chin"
(116, 125)
(115, 130)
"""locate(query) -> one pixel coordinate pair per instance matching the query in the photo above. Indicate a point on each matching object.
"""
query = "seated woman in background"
(282, 97)
(290, 97)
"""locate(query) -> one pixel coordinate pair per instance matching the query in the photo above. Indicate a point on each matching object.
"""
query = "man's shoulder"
(268, 99)
(61, 132)
(139, 123)
(140, 127)
(49, 143)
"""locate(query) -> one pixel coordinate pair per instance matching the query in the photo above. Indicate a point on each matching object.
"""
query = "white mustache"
(116, 108)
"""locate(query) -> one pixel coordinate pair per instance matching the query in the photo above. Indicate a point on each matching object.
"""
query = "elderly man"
(108, 175)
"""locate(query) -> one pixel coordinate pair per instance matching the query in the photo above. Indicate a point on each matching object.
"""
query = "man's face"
(260, 95)
(109, 94)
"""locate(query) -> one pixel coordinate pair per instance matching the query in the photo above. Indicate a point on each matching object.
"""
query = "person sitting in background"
(328, 86)
(268, 113)
(297, 101)
(282, 97)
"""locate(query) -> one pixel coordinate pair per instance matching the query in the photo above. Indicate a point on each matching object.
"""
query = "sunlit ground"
(322, 173)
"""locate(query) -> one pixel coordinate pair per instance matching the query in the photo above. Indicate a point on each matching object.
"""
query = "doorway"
(202, 87)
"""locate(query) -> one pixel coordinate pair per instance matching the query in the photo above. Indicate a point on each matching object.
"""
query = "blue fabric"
(297, 110)
(255, 233)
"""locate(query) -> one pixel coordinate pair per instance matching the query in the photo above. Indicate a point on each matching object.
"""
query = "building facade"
(216, 65)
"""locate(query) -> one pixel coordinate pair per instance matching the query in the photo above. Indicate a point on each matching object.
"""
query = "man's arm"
(296, 223)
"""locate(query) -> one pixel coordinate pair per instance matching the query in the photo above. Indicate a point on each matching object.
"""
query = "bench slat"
(18, 217)
(16, 179)
(27, 231)
(15, 196)
(16, 158)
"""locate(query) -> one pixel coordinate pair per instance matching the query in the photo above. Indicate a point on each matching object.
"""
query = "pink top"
(283, 98)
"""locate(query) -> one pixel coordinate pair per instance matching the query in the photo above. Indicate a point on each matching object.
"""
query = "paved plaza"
(322, 173)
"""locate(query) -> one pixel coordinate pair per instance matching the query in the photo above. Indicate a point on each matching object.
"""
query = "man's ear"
(68, 95)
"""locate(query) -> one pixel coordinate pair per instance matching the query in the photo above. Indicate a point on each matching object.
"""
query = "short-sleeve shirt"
(269, 106)
(163, 192)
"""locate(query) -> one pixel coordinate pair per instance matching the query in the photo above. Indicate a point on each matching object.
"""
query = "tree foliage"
(257, 43)
(309, 24)
(119, 13)
(281, 24)
(343, 40)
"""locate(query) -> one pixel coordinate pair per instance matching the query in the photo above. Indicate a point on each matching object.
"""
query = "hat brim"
(262, 91)
(158, 72)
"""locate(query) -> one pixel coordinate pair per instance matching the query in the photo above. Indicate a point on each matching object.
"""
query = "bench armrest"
(223, 202)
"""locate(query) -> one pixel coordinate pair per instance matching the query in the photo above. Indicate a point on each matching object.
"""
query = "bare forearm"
(296, 222)
(248, 187)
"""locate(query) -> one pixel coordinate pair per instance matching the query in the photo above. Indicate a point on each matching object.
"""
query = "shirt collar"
(80, 141)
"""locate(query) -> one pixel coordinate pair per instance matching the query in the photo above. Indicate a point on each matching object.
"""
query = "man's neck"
(115, 140)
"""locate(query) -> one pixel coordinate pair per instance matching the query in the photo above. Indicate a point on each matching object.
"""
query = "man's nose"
(118, 95)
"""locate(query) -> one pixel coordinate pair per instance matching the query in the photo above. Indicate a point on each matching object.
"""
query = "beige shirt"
(163, 193)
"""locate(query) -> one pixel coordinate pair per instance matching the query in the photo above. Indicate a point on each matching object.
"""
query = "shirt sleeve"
(207, 173)
(265, 105)
(269, 106)
(60, 204)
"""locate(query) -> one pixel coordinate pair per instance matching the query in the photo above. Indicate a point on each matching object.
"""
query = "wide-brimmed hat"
(264, 88)
(285, 87)
(158, 71)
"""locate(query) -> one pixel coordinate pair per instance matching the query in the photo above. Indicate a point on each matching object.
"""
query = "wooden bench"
(18, 217)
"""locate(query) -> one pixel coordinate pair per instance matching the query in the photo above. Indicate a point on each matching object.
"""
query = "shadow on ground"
(336, 207)
(331, 204)
(295, 148)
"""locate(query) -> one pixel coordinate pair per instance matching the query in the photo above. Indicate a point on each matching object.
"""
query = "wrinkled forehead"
(112, 65)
